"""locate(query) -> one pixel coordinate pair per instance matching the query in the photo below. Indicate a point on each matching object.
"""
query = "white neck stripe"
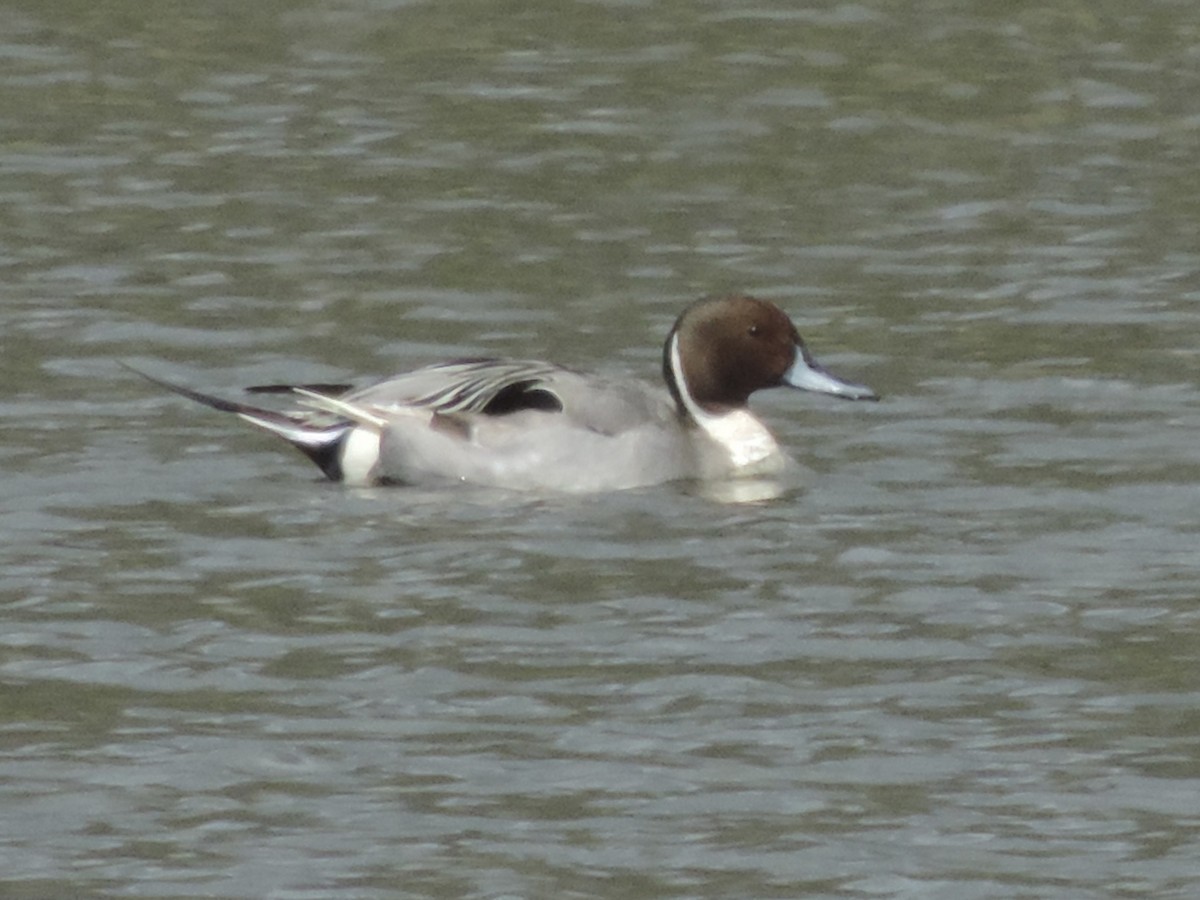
(681, 385)
(738, 432)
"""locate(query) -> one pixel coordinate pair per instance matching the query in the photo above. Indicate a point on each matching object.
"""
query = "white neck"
(742, 436)
(737, 432)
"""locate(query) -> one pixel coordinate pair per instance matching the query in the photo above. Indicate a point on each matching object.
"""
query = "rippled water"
(962, 664)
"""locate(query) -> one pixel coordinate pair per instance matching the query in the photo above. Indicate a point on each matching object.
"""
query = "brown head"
(723, 349)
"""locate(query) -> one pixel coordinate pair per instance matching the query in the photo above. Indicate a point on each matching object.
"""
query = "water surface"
(961, 664)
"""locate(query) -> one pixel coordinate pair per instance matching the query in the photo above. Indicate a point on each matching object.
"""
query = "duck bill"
(807, 375)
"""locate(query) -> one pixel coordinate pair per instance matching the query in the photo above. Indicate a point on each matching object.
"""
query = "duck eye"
(753, 331)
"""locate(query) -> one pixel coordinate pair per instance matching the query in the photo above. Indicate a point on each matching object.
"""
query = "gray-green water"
(964, 664)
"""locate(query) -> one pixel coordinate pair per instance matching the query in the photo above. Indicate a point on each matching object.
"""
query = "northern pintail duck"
(538, 426)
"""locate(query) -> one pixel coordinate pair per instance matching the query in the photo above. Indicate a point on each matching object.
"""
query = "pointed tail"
(320, 443)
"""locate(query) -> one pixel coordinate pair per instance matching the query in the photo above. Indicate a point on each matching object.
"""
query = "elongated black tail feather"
(329, 390)
(320, 443)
